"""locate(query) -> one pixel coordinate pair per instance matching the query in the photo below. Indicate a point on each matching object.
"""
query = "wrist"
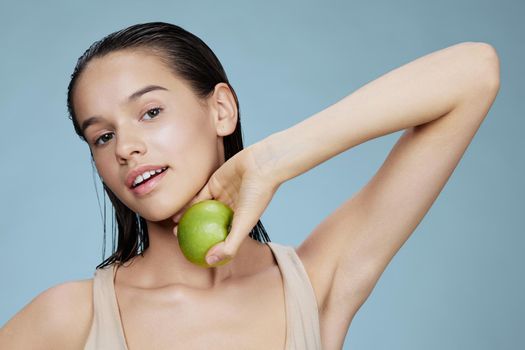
(268, 158)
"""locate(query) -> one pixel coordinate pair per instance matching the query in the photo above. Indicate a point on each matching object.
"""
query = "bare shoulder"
(59, 317)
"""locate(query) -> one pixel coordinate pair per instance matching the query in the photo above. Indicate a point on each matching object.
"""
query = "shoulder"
(59, 317)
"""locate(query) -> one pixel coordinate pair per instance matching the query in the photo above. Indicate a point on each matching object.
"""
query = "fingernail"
(212, 260)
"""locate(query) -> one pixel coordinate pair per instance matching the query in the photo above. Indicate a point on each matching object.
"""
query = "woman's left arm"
(440, 98)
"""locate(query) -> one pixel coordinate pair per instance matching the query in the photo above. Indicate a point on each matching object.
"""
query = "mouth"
(152, 175)
(147, 185)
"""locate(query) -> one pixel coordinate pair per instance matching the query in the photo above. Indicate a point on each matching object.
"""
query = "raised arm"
(441, 99)
(416, 93)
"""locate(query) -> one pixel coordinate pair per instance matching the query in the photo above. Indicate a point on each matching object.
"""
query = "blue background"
(458, 282)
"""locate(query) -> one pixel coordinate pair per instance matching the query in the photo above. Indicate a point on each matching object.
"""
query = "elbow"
(488, 66)
(492, 64)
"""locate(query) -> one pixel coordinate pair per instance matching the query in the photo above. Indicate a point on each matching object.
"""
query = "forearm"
(413, 94)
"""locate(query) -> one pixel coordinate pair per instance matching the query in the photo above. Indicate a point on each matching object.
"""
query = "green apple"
(203, 225)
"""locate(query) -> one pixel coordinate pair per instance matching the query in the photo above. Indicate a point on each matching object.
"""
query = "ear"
(224, 109)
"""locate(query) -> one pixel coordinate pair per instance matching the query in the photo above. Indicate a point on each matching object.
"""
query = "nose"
(129, 144)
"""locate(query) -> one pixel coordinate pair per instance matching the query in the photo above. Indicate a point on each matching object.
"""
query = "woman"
(154, 98)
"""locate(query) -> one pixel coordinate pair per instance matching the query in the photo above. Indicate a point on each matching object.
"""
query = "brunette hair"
(189, 58)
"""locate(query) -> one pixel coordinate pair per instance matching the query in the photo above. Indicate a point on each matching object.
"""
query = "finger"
(244, 219)
(225, 251)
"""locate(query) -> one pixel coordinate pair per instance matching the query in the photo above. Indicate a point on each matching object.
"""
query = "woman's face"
(164, 128)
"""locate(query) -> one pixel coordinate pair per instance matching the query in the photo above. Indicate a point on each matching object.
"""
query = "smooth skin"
(439, 99)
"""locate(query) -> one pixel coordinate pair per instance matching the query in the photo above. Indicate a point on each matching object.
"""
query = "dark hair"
(190, 59)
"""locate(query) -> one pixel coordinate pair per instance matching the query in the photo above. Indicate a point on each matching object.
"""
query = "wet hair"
(190, 59)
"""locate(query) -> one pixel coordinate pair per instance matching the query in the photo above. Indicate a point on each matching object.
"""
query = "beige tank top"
(302, 318)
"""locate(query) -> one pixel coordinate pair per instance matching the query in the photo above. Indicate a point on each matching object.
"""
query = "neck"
(164, 264)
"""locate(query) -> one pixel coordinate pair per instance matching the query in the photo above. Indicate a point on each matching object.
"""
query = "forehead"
(108, 81)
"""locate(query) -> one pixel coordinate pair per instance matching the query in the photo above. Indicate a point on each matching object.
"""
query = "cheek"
(106, 172)
(172, 139)
(186, 144)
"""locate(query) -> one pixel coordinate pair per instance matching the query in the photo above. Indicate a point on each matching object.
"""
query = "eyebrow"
(134, 96)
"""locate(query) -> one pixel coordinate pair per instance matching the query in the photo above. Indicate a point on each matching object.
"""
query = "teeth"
(146, 175)
(138, 180)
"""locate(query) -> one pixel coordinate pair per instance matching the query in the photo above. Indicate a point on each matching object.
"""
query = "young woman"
(162, 123)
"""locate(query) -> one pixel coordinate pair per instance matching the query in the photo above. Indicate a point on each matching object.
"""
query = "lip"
(132, 175)
(148, 186)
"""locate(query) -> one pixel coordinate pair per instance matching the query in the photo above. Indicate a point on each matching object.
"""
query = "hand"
(244, 184)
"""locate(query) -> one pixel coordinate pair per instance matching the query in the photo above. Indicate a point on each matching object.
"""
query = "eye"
(152, 113)
(103, 139)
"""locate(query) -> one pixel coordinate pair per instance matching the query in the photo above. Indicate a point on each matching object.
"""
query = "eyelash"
(96, 142)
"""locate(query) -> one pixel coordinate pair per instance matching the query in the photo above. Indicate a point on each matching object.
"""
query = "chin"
(162, 212)
(157, 215)
(166, 204)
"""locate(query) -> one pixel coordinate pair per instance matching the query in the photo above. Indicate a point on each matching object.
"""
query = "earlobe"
(226, 127)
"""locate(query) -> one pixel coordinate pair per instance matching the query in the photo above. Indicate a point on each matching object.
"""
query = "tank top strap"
(106, 329)
(303, 327)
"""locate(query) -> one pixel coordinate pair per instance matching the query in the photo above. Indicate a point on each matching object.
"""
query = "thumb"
(223, 252)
